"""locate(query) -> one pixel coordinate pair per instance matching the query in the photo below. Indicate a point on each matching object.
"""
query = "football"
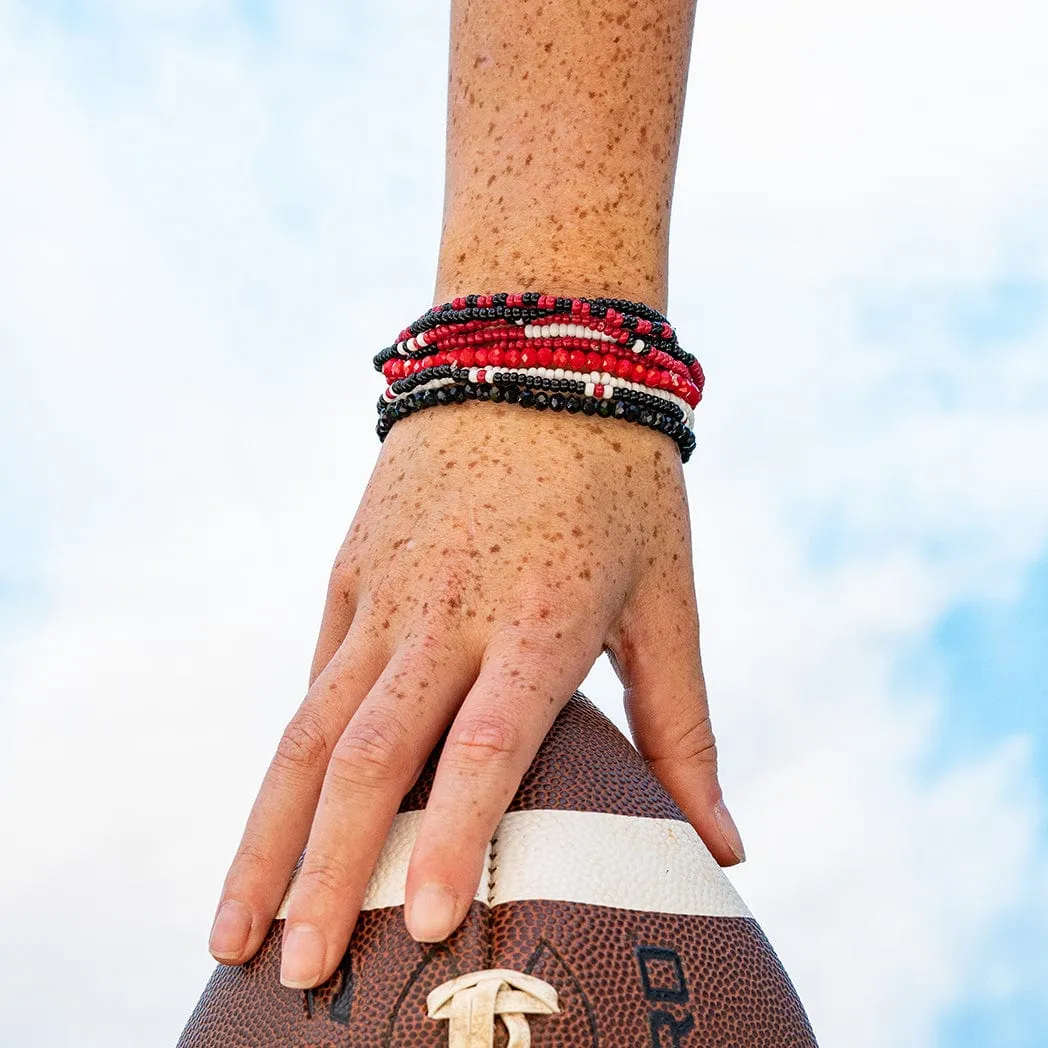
(601, 919)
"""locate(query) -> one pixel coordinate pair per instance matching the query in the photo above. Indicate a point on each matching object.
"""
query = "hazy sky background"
(213, 214)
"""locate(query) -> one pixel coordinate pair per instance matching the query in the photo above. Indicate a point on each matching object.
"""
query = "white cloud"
(198, 257)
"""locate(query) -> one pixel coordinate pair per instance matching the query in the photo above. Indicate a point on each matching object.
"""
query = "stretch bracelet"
(655, 369)
(605, 357)
(628, 410)
(618, 319)
(546, 379)
(605, 369)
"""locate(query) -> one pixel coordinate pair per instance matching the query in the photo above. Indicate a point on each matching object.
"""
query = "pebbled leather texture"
(626, 973)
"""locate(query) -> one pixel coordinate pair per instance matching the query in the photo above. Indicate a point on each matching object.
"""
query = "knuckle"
(303, 745)
(253, 861)
(697, 745)
(368, 755)
(343, 576)
(485, 738)
(323, 873)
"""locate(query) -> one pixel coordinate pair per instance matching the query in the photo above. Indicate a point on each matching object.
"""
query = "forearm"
(563, 129)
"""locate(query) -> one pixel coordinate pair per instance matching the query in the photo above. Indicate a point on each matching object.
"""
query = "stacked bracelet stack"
(602, 356)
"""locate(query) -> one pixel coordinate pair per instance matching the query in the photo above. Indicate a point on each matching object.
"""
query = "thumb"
(657, 659)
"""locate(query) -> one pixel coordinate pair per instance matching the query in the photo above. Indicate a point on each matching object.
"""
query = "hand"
(495, 554)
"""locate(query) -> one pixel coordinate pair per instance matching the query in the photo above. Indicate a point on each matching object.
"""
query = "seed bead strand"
(619, 408)
(551, 380)
(604, 369)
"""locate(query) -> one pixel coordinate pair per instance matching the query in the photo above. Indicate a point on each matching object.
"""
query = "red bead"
(466, 357)
(545, 356)
(598, 390)
(560, 358)
(608, 362)
(512, 357)
(495, 356)
(624, 336)
(624, 368)
(577, 359)
(639, 371)
(526, 358)
(482, 375)
(482, 357)
(593, 361)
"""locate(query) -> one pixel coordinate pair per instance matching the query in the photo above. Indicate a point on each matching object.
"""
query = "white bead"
(558, 373)
(608, 392)
(589, 389)
(605, 378)
(528, 331)
(594, 376)
(473, 374)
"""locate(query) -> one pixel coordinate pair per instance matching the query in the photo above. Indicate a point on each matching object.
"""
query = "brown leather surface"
(624, 978)
(619, 984)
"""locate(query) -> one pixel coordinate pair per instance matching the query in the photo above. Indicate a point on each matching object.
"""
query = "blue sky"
(190, 291)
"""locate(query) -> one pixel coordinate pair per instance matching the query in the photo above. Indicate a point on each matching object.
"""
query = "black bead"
(604, 408)
(526, 398)
(589, 405)
(632, 413)
(556, 402)
(573, 405)
(541, 401)
(620, 409)
(470, 391)
(483, 392)
(442, 395)
(512, 394)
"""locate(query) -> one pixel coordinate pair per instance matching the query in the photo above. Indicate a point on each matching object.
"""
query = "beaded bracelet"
(552, 381)
(608, 357)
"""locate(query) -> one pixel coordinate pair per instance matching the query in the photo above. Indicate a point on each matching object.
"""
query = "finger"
(490, 746)
(280, 817)
(372, 767)
(339, 608)
(657, 658)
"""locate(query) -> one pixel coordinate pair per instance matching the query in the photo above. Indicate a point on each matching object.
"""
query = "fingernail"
(230, 931)
(729, 831)
(302, 959)
(432, 913)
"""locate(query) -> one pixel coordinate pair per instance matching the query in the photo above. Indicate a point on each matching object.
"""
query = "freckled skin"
(498, 550)
(587, 209)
